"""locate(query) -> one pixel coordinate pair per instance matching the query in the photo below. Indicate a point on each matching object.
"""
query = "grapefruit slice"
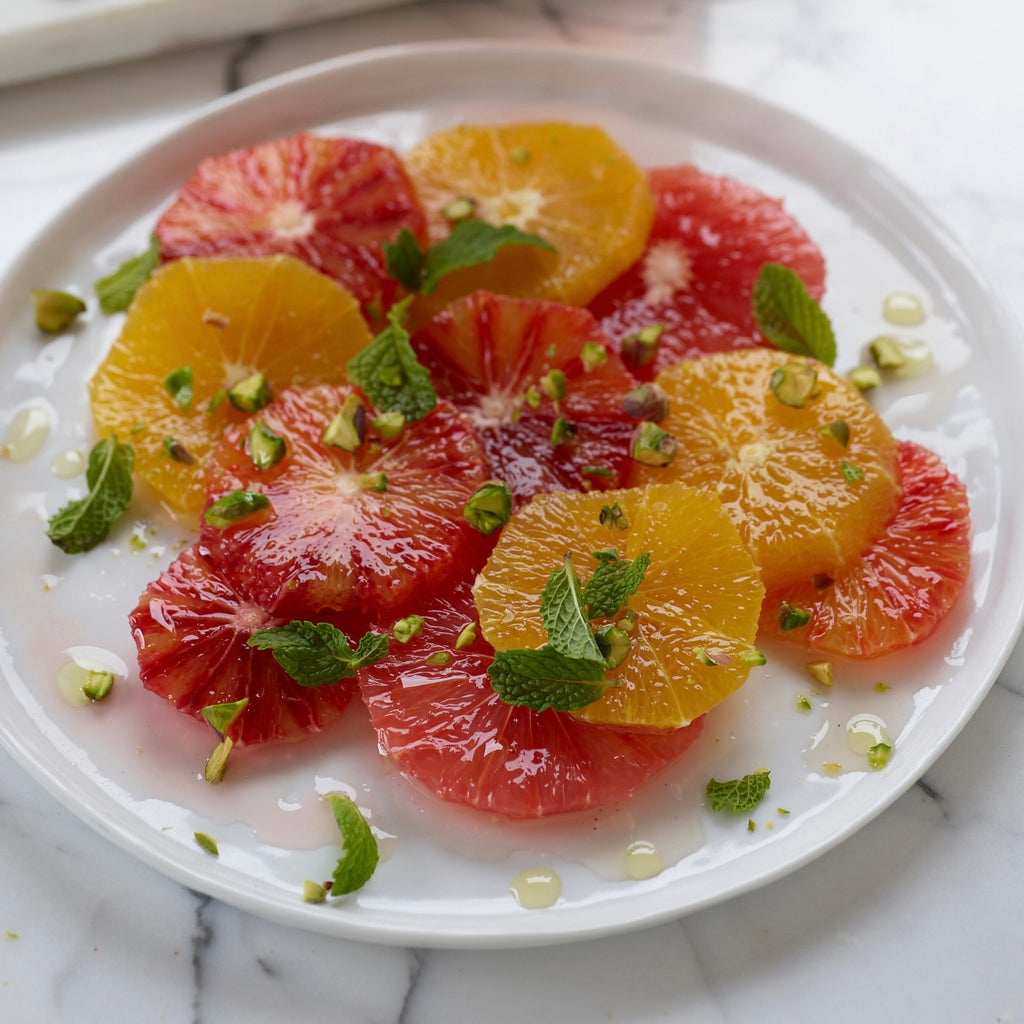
(346, 529)
(191, 628)
(330, 202)
(223, 320)
(710, 237)
(445, 726)
(906, 582)
(805, 496)
(698, 603)
(497, 358)
(568, 183)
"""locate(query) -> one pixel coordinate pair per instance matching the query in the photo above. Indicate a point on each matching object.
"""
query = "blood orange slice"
(191, 628)
(446, 727)
(710, 237)
(345, 529)
(328, 201)
(905, 583)
(504, 361)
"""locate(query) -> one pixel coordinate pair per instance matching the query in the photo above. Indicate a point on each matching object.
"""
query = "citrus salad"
(520, 445)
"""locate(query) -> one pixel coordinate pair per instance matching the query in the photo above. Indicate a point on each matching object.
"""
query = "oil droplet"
(66, 465)
(642, 860)
(26, 434)
(865, 731)
(903, 309)
(536, 888)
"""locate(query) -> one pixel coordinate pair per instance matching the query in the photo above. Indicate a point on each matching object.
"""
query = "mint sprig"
(389, 372)
(545, 678)
(789, 317)
(564, 614)
(360, 855)
(739, 795)
(82, 524)
(470, 243)
(116, 290)
(317, 653)
(613, 582)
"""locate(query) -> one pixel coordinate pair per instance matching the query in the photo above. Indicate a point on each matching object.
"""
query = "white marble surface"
(915, 918)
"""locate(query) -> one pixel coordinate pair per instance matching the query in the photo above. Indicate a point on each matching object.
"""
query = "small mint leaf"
(359, 858)
(116, 290)
(82, 524)
(316, 653)
(613, 582)
(789, 317)
(405, 260)
(739, 795)
(546, 679)
(564, 614)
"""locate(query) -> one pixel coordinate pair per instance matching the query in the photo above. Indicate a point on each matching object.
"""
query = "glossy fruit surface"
(906, 582)
(710, 237)
(699, 599)
(223, 320)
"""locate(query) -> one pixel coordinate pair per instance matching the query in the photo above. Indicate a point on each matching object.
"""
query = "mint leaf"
(388, 371)
(564, 614)
(179, 386)
(81, 525)
(613, 582)
(546, 679)
(316, 653)
(739, 795)
(405, 260)
(789, 317)
(471, 243)
(359, 858)
(116, 290)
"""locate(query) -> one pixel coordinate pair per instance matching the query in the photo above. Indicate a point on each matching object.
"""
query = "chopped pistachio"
(217, 762)
(405, 629)
(820, 672)
(374, 481)
(388, 425)
(459, 208)
(97, 684)
(781, 810)
(214, 404)
(562, 432)
(851, 473)
(653, 446)
(881, 687)
(519, 155)
(628, 621)
(234, 506)
(878, 755)
(613, 517)
(646, 402)
(592, 355)
(439, 658)
(466, 636)
(750, 825)
(179, 386)
(178, 452)
(348, 428)
(554, 385)
(793, 383)
(614, 645)
(313, 892)
(753, 658)
(220, 717)
(489, 507)
(864, 378)
(207, 843)
(791, 617)
(55, 311)
(532, 397)
(251, 394)
(703, 657)
(885, 351)
(640, 348)
(837, 430)
(266, 448)
(602, 471)
(803, 704)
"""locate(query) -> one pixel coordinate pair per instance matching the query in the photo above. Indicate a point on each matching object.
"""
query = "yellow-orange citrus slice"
(568, 183)
(225, 320)
(804, 501)
(695, 612)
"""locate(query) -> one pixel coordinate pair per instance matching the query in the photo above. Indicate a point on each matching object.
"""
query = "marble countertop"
(915, 918)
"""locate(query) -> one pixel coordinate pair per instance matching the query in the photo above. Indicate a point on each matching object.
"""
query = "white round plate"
(130, 766)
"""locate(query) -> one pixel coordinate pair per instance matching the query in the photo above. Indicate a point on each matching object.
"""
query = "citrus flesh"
(700, 597)
(570, 184)
(710, 237)
(906, 582)
(224, 319)
(804, 501)
(444, 725)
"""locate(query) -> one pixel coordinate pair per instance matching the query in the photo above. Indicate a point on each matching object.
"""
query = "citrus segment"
(191, 628)
(224, 320)
(346, 529)
(905, 583)
(804, 501)
(515, 367)
(445, 726)
(710, 237)
(569, 184)
(330, 202)
(699, 600)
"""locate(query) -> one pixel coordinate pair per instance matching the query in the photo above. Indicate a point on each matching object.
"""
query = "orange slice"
(699, 600)
(804, 502)
(568, 183)
(225, 319)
